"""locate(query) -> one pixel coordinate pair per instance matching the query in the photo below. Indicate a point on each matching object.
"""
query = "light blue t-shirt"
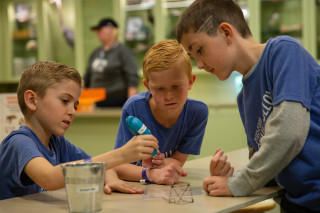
(185, 136)
(286, 72)
(22, 145)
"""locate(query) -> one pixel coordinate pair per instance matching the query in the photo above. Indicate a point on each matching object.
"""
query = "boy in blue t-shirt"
(279, 103)
(30, 158)
(178, 122)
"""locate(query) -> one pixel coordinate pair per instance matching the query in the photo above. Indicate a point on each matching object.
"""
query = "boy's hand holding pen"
(138, 128)
(156, 171)
(141, 146)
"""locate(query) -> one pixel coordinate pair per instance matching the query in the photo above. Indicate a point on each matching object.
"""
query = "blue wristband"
(145, 179)
(87, 160)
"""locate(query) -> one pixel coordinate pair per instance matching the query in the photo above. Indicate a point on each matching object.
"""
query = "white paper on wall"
(11, 117)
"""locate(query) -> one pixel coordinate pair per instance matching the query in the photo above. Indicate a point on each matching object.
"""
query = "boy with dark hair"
(279, 103)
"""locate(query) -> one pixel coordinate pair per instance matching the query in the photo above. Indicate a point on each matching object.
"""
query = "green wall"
(61, 51)
(92, 12)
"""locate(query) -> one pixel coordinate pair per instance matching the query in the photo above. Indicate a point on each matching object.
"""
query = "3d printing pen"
(138, 128)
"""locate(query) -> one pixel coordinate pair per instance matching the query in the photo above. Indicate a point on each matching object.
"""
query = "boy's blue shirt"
(185, 136)
(22, 145)
(286, 72)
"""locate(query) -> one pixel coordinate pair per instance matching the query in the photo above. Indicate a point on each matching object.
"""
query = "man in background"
(111, 66)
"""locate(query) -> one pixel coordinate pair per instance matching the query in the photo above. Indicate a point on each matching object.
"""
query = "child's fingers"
(225, 169)
(168, 181)
(217, 163)
(146, 150)
(206, 182)
(221, 162)
(107, 189)
(140, 147)
(216, 151)
(159, 156)
(212, 187)
(146, 141)
(214, 193)
(180, 171)
(215, 158)
(230, 172)
(130, 189)
(172, 173)
(157, 162)
(148, 137)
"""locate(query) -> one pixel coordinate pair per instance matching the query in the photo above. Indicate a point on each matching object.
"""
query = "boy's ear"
(227, 32)
(146, 84)
(30, 98)
(191, 81)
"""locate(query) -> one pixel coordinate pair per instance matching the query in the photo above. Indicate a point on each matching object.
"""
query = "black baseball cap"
(105, 22)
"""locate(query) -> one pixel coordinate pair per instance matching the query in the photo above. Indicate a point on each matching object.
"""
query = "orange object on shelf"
(88, 97)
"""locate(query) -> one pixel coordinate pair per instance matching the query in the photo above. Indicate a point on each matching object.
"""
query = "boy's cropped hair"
(206, 16)
(164, 55)
(42, 75)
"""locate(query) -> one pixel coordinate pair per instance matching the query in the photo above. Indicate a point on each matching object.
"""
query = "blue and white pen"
(138, 128)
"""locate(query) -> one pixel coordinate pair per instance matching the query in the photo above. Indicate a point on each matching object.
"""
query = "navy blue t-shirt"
(22, 145)
(186, 134)
(286, 72)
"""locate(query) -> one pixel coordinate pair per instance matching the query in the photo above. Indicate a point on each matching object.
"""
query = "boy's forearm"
(110, 175)
(41, 171)
(129, 172)
(173, 160)
(177, 158)
(112, 158)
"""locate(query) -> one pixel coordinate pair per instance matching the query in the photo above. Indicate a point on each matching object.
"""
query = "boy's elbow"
(52, 187)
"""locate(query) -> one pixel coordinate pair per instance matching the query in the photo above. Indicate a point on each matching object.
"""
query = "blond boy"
(178, 122)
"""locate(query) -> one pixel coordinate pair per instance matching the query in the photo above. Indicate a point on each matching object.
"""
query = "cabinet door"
(173, 11)
(140, 27)
(24, 35)
(281, 17)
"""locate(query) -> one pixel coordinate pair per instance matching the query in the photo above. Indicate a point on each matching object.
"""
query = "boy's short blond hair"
(164, 55)
(205, 16)
(43, 75)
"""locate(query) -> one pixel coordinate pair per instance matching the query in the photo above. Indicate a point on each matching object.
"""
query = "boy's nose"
(200, 65)
(168, 95)
(71, 110)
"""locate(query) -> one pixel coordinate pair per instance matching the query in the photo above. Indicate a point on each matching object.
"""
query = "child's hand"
(121, 186)
(154, 162)
(168, 175)
(113, 183)
(216, 186)
(158, 161)
(219, 166)
(139, 147)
